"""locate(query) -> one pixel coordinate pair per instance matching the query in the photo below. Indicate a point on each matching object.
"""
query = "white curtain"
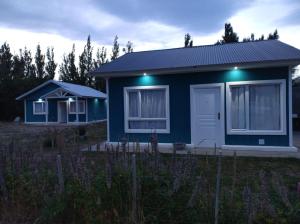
(133, 98)
(264, 107)
(238, 109)
(39, 107)
(153, 105)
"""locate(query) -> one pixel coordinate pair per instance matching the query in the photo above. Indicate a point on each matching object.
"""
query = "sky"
(149, 24)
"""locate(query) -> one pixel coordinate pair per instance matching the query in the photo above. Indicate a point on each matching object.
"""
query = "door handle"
(219, 116)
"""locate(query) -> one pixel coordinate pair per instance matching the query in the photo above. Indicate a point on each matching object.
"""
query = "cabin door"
(206, 117)
(62, 112)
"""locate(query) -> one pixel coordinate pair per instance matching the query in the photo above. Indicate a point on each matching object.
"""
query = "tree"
(115, 49)
(50, 65)
(68, 70)
(274, 36)
(229, 35)
(101, 57)
(39, 63)
(86, 64)
(6, 62)
(18, 66)
(29, 68)
(129, 48)
(262, 37)
(188, 42)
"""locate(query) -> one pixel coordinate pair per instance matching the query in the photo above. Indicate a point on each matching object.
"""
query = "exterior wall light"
(235, 67)
(145, 74)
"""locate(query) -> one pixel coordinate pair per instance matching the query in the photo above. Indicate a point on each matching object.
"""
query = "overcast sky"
(149, 24)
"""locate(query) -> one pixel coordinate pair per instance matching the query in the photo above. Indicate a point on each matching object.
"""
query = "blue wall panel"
(30, 117)
(179, 90)
(96, 109)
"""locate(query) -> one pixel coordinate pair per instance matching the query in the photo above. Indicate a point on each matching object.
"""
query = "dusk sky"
(149, 24)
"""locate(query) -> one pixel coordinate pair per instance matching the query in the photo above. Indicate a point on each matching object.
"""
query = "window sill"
(149, 131)
(258, 132)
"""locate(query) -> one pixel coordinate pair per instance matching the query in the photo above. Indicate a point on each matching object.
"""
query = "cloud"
(263, 17)
(76, 19)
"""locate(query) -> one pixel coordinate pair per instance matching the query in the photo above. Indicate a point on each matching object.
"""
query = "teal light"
(235, 74)
(146, 79)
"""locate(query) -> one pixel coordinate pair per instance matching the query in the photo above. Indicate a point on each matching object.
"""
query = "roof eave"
(199, 68)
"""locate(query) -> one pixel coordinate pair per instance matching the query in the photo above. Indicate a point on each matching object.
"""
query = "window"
(81, 107)
(256, 107)
(39, 107)
(147, 109)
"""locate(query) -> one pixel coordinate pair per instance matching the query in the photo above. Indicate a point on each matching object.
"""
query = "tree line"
(24, 70)
(231, 37)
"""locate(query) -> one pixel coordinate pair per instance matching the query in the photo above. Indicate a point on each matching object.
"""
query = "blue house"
(59, 102)
(234, 96)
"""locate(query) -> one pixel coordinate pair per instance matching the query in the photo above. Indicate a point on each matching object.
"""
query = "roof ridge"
(199, 46)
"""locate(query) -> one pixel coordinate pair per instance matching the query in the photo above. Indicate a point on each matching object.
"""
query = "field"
(49, 180)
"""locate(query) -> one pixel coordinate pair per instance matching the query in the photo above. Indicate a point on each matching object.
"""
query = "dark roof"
(202, 56)
(75, 89)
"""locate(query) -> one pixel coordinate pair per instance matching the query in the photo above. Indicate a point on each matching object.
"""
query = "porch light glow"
(235, 68)
(145, 74)
(40, 100)
(71, 100)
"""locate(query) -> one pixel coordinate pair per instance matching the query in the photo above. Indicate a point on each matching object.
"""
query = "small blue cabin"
(233, 96)
(55, 102)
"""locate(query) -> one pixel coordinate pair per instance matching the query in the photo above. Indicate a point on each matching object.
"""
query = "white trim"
(67, 105)
(126, 109)
(47, 111)
(107, 109)
(86, 110)
(260, 148)
(290, 115)
(246, 131)
(25, 111)
(237, 148)
(222, 112)
(79, 112)
(38, 113)
(61, 90)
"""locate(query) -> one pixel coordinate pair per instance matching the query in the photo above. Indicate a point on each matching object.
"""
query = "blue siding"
(52, 106)
(96, 109)
(72, 117)
(179, 87)
(29, 113)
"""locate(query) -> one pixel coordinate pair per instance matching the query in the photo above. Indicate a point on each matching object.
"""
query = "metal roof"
(202, 56)
(77, 90)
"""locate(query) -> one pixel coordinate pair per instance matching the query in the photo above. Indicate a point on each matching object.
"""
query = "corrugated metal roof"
(80, 90)
(77, 90)
(209, 55)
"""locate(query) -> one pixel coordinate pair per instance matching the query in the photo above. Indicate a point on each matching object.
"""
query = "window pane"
(238, 109)
(153, 103)
(147, 124)
(72, 107)
(264, 107)
(39, 107)
(133, 99)
(81, 106)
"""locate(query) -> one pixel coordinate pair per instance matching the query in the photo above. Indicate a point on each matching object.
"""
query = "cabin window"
(39, 107)
(256, 107)
(147, 109)
(81, 107)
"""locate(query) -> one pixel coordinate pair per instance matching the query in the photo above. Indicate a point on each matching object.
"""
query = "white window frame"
(126, 110)
(39, 113)
(79, 112)
(283, 105)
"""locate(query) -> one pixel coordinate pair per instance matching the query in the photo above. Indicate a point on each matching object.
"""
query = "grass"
(170, 188)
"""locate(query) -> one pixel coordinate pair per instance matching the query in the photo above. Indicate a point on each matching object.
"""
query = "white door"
(206, 116)
(62, 112)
